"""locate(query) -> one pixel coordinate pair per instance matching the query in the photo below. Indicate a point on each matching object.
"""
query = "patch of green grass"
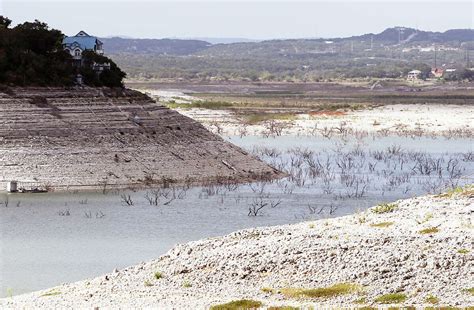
(158, 275)
(469, 290)
(187, 284)
(432, 299)
(394, 298)
(147, 283)
(430, 230)
(256, 118)
(361, 300)
(467, 190)
(51, 293)
(463, 251)
(238, 304)
(382, 224)
(385, 208)
(10, 292)
(322, 292)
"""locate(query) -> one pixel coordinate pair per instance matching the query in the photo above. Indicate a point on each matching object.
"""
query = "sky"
(257, 19)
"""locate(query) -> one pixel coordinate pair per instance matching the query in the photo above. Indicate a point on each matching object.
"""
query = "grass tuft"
(393, 298)
(158, 275)
(283, 308)
(360, 301)
(382, 224)
(238, 304)
(385, 208)
(467, 190)
(463, 251)
(267, 290)
(469, 290)
(432, 299)
(187, 284)
(322, 292)
(430, 230)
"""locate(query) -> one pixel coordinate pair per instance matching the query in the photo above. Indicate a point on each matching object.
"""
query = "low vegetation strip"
(339, 262)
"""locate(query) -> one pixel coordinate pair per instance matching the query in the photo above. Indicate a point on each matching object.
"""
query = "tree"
(109, 77)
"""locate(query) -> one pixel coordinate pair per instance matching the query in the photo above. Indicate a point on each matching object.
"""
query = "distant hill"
(392, 36)
(388, 54)
(402, 35)
(154, 46)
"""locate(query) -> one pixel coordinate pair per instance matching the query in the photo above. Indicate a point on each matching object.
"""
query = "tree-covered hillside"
(389, 54)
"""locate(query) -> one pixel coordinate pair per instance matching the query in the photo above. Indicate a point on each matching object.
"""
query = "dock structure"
(12, 186)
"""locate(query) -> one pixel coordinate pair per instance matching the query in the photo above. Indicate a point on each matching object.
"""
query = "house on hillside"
(414, 75)
(437, 72)
(81, 42)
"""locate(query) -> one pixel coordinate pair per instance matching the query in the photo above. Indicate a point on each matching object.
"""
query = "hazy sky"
(262, 19)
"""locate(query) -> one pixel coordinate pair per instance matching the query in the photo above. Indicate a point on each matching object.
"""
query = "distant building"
(414, 75)
(437, 72)
(81, 42)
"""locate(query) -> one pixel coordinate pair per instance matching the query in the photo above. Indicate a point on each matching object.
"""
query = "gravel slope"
(90, 138)
(396, 258)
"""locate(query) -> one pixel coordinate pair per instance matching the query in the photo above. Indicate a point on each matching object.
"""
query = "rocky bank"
(82, 138)
(419, 250)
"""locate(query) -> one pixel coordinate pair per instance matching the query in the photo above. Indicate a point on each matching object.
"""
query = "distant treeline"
(31, 54)
(388, 54)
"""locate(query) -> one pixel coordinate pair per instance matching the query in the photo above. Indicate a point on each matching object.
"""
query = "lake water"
(48, 239)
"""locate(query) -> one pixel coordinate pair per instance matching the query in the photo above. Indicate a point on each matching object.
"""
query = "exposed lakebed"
(47, 239)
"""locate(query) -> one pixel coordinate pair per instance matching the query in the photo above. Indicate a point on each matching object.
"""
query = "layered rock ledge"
(418, 251)
(97, 137)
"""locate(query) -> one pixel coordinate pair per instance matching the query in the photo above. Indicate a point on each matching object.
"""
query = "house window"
(77, 52)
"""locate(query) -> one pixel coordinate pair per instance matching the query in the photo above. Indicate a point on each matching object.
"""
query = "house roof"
(83, 40)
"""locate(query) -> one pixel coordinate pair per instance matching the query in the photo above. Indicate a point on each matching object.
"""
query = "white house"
(414, 75)
(82, 42)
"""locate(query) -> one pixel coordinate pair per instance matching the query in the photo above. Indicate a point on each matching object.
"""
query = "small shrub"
(463, 251)
(186, 284)
(468, 190)
(469, 290)
(322, 292)
(382, 224)
(158, 275)
(361, 300)
(384, 208)
(148, 283)
(238, 304)
(430, 230)
(267, 290)
(393, 298)
(432, 299)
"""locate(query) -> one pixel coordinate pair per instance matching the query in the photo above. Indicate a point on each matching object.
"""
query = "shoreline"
(414, 120)
(419, 248)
